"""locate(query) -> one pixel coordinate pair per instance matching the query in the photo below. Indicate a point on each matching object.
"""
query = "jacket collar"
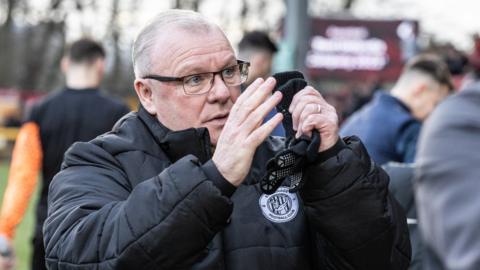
(389, 99)
(177, 144)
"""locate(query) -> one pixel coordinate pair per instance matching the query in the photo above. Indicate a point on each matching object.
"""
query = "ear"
(64, 64)
(419, 89)
(261, 62)
(256, 60)
(145, 95)
(100, 64)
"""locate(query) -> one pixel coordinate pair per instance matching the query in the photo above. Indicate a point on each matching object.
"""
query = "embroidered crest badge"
(279, 207)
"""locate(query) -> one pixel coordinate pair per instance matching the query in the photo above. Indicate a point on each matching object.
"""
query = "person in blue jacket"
(390, 124)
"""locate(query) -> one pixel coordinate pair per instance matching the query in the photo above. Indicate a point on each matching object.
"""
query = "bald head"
(162, 25)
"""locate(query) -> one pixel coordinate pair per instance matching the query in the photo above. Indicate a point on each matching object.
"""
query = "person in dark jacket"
(176, 184)
(258, 49)
(446, 182)
(401, 187)
(79, 112)
(389, 125)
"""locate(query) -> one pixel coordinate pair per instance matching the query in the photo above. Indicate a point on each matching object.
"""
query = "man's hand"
(244, 132)
(310, 111)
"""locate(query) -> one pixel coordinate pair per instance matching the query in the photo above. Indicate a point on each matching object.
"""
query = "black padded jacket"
(144, 197)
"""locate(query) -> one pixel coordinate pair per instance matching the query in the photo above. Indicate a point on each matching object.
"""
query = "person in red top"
(79, 112)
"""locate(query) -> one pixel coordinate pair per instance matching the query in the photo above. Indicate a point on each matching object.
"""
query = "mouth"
(219, 119)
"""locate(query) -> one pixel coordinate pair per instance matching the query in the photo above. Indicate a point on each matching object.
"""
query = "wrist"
(212, 172)
(225, 173)
(331, 151)
(328, 142)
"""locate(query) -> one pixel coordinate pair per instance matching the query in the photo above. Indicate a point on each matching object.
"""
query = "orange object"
(24, 169)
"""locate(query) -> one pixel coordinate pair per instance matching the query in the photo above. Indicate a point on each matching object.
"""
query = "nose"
(220, 92)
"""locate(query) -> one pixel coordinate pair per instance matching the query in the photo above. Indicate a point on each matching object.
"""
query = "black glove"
(289, 163)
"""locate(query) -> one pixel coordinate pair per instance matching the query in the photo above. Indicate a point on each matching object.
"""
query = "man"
(446, 181)
(389, 125)
(258, 49)
(77, 113)
(401, 187)
(176, 184)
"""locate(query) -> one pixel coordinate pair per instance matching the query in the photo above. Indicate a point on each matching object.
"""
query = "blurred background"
(347, 48)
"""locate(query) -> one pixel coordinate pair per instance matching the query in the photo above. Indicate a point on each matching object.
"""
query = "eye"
(195, 80)
(229, 72)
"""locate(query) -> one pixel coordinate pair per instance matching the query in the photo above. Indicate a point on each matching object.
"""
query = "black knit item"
(289, 83)
(289, 163)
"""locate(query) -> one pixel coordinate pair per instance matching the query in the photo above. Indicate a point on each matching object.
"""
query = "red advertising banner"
(358, 49)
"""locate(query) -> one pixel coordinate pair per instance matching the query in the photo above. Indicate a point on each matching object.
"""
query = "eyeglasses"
(197, 84)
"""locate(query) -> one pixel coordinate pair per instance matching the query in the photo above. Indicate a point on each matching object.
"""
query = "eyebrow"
(197, 70)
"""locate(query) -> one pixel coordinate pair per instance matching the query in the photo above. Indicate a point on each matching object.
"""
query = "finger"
(261, 93)
(256, 118)
(312, 122)
(319, 122)
(248, 92)
(307, 91)
(309, 109)
(262, 132)
(251, 103)
(300, 106)
(326, 125)
(320, 96)
(236, 120)
(253, 86)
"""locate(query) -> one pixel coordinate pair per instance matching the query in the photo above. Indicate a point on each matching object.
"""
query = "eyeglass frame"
(181, 79)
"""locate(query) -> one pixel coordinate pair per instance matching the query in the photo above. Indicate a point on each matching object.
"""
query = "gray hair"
(182, 19)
